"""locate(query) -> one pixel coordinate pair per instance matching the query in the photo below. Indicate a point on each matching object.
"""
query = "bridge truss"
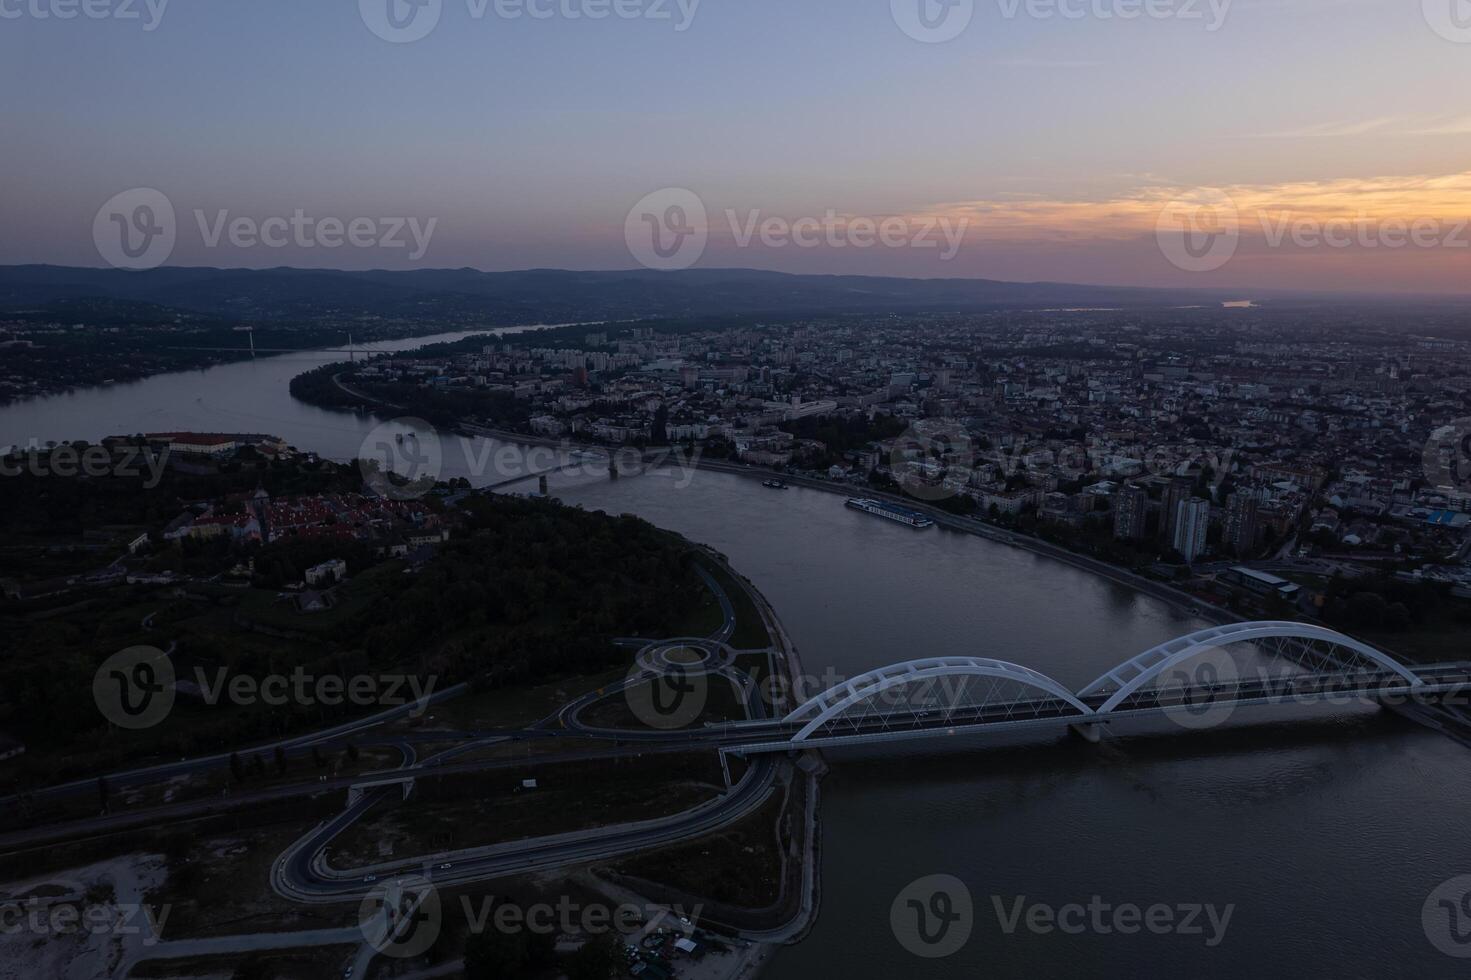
(1241, 663)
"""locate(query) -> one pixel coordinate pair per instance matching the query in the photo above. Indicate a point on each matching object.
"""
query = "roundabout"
(685, 657)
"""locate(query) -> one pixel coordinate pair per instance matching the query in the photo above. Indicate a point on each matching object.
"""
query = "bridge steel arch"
(837, 700)
(1136, 674)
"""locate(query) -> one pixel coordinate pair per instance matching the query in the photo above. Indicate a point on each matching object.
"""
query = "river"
(1324, 836)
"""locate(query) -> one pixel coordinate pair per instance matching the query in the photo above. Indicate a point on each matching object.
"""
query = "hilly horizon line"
(697, 272)
(565, 295)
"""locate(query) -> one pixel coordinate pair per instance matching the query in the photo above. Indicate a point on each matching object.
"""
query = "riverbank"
(1177, 598)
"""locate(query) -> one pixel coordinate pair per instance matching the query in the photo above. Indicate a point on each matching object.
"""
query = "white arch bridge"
(1196, 680)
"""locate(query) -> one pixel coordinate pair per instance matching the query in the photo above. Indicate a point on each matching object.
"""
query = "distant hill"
(539, 295)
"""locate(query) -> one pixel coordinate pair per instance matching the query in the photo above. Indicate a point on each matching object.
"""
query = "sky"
(1320, 144)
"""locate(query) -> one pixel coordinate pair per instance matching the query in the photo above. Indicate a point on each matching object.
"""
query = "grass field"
(750, 631)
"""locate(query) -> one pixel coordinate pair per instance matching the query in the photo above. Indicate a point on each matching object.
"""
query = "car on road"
(445, 867)
(370, 879)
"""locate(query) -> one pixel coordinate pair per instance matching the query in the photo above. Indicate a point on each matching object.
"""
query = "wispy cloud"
(1380, 126)
(1449, 127)
(1039, 218)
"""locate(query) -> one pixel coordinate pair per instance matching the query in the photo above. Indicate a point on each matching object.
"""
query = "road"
(168, 770)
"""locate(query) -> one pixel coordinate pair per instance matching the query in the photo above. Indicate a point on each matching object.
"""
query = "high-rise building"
(1192, 524)
(1240, 525)
(1179, 490)
(1131, 514)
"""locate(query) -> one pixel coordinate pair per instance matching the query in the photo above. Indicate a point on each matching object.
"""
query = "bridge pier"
(1090, 731)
